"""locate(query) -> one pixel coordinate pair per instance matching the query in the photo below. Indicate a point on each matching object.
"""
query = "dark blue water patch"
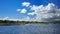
(31, 29)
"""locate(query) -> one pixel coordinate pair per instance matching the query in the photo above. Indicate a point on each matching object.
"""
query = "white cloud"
(27, 18)
(26, 4)
(5, 18)
(18, 9)
(31, 13)
(23, 11)
(48, 12)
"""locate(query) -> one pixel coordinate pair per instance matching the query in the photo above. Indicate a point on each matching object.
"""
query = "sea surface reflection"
(31, 29)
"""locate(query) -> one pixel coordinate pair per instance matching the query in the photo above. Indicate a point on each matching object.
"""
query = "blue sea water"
(31, 29)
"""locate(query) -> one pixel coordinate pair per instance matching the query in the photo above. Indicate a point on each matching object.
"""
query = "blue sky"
(8, 8)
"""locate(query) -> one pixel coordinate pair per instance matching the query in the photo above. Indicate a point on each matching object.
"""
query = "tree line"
(8, 22)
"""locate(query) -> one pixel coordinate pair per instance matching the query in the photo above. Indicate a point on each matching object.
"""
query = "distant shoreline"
(9, 23)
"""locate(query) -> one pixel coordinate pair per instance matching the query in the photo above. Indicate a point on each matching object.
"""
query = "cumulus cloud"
(31, 13)
(49, 12)
(26, 4)
(43, 13)
(23, 11)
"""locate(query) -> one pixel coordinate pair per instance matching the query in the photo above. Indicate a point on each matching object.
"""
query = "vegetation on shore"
(10, 22)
